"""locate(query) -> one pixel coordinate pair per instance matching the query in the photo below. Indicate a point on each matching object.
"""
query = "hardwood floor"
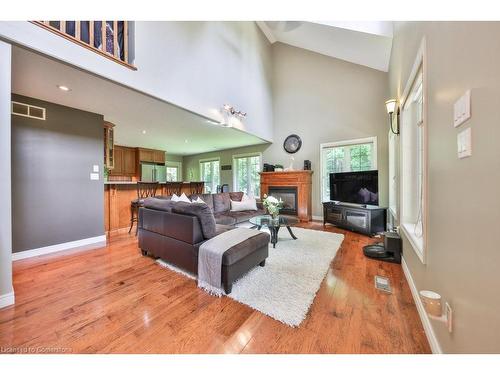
(113, 300)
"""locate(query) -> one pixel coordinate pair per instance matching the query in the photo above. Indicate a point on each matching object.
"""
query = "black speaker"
(307, 165)
(268, 167)
(388, 251)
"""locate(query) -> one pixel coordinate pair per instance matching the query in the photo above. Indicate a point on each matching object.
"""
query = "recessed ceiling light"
(63, 88)
(144, 132)
(185, 141)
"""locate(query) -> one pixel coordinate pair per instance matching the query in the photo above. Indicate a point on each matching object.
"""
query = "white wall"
(5, 181)
(323, 99)
(463, 254)
(196, 65)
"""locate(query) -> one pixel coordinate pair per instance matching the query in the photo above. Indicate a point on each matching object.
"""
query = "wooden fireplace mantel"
(300, 179)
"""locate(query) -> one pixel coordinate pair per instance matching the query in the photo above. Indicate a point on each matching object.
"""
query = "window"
(174, 170)
(413, 166)
(346, 156)
(172, 174)
(210, 174)
(246, 173)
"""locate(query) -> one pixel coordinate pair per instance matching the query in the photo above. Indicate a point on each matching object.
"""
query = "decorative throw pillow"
(202, 212)
(182, 198)
(197, 200)
(246, 204)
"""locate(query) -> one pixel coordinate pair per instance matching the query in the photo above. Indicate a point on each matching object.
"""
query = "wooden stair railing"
(107, 38)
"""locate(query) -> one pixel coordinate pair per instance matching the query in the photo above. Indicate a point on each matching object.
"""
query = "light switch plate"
(94, 176)
(95, 169)
(461, 109)
(464, 143)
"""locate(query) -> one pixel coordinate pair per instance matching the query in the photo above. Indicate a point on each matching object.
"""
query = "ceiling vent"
(27, 110)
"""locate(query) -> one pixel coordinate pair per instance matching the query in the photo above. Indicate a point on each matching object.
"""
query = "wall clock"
(292, 144)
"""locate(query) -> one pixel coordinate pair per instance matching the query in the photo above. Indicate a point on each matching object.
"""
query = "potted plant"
(272, 206)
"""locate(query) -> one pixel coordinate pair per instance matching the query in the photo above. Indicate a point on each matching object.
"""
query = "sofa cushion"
(207, 198)
(244, 248)
(219, 228)
(241, 216)
(222, 202)
(202, 212)
(159, 204)
(222, 218)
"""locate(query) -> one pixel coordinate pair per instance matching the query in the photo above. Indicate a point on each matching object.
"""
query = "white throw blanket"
(210, 257)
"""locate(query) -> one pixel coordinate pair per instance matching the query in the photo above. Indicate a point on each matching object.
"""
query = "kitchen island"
(117, 198)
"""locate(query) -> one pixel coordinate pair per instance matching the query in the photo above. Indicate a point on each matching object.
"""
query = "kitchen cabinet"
(125, 161)
(129, 161)
(109, 160)
(159, 156)
(145, 155)
(151, 156)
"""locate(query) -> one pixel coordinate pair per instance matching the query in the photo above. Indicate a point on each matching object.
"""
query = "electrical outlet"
(449, 317)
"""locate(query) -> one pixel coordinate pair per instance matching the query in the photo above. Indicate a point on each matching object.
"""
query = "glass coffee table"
(274, 225)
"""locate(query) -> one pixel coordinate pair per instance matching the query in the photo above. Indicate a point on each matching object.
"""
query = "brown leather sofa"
(176, 238)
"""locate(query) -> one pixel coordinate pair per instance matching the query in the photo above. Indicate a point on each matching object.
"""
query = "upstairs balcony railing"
(107, 38)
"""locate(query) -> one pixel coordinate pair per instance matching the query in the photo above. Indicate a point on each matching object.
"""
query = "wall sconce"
(229, 110)
(393, 111)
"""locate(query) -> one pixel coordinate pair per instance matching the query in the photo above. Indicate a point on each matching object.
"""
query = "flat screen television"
(354, 187)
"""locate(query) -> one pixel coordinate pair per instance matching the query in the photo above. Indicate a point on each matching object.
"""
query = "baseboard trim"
(429, 331)
(89, 243)
(7, 299)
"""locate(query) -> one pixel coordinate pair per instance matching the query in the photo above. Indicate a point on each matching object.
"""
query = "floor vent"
(383, 284)
(27, 110)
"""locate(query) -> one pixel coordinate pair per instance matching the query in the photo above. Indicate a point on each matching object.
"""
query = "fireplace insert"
(288, 195)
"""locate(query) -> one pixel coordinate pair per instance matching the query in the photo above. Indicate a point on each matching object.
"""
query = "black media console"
(365, 219)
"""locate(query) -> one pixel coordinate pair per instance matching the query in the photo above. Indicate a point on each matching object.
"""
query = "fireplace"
(294, 188)
(288, 194)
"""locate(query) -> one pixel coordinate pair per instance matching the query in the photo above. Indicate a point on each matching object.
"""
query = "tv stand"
(365, 219)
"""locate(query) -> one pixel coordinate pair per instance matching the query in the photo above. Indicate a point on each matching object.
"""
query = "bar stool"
(172, 188)
(196, 187)
(144, 190)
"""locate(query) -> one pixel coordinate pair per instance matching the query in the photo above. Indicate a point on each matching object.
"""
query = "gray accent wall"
(463, 255)
(53, 199)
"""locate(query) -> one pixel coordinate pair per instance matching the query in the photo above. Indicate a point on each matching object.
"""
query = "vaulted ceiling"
(365, 43)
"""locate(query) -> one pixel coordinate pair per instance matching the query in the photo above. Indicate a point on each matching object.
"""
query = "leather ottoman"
(241, 258)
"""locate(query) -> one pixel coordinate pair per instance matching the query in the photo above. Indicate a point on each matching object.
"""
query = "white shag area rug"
(285, 288)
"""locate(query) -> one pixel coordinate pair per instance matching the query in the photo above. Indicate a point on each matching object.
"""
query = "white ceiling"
(167, 127)
(364, 43)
